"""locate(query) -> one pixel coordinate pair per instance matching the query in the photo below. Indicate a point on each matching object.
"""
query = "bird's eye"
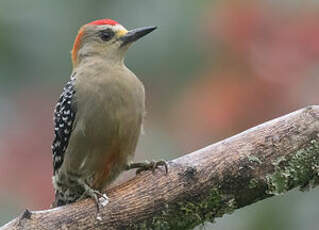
(106, 35)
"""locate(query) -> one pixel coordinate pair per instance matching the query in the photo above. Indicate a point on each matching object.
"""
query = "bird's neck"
(89, 53)
(99, 63)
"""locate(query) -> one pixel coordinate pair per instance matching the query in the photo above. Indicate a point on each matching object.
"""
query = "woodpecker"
(99, 114)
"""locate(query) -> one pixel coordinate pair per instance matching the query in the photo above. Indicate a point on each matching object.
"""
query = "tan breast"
(110, 110)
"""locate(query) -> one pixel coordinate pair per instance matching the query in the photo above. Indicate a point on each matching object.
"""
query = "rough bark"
(263, 161)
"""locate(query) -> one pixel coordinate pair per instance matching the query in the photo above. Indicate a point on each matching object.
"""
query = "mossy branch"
(267, 160)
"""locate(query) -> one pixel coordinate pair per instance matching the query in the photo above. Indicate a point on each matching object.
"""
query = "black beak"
(136, 34)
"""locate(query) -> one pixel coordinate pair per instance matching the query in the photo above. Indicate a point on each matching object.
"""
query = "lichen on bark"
(300, 170)
(187, 214)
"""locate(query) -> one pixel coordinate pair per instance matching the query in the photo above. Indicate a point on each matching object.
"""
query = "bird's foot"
(101, 200)
(147, 165)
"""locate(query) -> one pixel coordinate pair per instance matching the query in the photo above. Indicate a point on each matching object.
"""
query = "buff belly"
(98, 151)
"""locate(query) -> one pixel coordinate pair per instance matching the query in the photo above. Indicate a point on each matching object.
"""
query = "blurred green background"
(211, 70)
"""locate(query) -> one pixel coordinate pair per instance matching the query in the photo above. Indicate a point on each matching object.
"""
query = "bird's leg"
(99, 198)
(147, 165)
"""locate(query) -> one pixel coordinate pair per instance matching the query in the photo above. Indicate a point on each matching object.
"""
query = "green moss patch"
(302, 170)
(190, 213)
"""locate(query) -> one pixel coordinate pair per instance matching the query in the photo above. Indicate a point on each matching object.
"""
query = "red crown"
(104, 22)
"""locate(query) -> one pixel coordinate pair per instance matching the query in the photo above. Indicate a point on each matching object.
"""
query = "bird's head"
(105, 38)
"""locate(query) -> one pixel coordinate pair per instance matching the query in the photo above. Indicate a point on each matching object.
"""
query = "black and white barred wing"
(64, 116)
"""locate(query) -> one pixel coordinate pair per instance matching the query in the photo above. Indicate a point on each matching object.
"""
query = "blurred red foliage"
(25, 159)
(279, 42)
(268, 54)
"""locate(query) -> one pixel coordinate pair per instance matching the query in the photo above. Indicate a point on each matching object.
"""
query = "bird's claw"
(145, 166)
(101, 200)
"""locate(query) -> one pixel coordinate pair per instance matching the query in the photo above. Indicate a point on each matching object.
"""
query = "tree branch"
(266, 160)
